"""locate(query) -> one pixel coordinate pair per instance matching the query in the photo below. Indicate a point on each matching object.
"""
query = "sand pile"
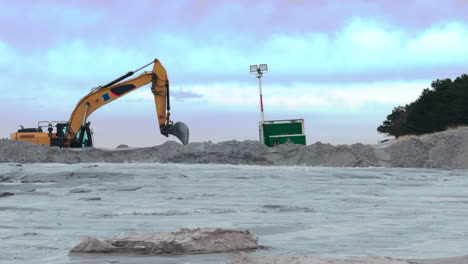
(245, 259)
(447, 149)
(183, 241)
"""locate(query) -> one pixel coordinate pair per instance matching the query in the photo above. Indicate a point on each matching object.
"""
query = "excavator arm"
(105, 94)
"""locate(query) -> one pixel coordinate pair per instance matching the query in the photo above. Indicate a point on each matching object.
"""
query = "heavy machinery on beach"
(76, 133)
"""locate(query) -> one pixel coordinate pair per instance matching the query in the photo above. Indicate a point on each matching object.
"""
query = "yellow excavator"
(76, 133)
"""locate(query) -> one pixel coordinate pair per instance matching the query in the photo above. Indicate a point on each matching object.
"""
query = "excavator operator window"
(61, 130)
(84, 141)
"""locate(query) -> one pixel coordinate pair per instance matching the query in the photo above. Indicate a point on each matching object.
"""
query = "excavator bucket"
(181, 131)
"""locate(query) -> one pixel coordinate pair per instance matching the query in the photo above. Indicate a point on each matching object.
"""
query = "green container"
(277, 132)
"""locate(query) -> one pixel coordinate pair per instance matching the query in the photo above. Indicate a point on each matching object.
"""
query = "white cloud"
(367, 47)
(216, 68)
(304, 97)
(444, 44)
(7, 54)
(363, 47)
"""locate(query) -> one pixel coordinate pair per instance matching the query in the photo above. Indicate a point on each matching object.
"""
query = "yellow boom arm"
(105, 94)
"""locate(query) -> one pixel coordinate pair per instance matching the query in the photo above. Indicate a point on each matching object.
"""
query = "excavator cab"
(62, 129)
(61, 132)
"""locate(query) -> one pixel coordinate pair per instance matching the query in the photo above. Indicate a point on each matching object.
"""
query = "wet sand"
(334, 213)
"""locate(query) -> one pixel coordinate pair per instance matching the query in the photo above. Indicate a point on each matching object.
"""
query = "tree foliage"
(443, 105)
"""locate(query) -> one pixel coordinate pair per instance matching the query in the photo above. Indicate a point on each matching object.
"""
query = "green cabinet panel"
(275, 132)
(285, 139)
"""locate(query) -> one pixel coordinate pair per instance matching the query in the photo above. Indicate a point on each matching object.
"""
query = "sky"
(342, 66)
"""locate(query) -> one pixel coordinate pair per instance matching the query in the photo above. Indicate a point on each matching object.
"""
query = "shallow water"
(333, 212)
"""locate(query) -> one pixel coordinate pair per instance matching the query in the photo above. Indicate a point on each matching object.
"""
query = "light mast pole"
(262, 115)
(259, 69)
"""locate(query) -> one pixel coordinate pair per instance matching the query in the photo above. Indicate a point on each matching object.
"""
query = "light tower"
(259, 70)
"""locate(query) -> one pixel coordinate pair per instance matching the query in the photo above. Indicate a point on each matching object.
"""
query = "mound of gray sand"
(447, 149)
(307, 259)
(245, 259)
(183, 241)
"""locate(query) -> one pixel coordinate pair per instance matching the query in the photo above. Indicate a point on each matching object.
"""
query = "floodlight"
(263, 67)
(253, 68)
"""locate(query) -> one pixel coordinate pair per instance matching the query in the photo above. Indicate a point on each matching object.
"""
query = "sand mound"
(447, 149)
(183, 241)
(245, 259)
(93, 245)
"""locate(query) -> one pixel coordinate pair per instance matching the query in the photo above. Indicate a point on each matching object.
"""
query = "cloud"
(366, 49)
(363, 49)
(363, 61)
(302, 97)
(182, 94)
(358, 66)
(124, 22)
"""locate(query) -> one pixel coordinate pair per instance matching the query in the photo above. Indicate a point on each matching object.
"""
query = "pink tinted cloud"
(202, 34)
(39, 24)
